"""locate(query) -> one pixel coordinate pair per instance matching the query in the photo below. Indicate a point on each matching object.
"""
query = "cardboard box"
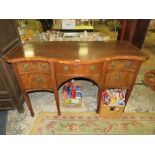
(111, 112)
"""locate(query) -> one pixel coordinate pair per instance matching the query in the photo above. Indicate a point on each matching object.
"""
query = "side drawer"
(129, 65)
(6, 104)
(118, 79)
(28, 66)
(36, 81)
(110, 112)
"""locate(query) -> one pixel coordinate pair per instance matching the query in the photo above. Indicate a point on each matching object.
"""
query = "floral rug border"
(43, 116)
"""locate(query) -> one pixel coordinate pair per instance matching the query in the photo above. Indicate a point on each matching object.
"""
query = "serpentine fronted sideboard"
(47, 65)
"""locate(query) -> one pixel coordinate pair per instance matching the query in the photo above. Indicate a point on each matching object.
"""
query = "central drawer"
(38, 66)
(78, 68)
(36, 81)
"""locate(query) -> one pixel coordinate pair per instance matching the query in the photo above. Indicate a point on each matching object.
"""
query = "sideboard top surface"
(75, 51)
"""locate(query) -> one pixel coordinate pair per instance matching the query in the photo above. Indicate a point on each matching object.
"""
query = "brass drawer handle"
(38, 79)
(77, 68)
(113, 65)
(43, 66)
(128, 64)
(65, 68)
(92, 68)
(117, 78)
(26, 66)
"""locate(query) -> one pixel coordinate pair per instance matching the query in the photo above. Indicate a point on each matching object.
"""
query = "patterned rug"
(91, 124)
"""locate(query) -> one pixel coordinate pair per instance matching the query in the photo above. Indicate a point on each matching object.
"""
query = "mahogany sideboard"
(47, 65)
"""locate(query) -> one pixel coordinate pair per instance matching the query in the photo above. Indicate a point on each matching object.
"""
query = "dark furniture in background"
(10, 93)
(134, 31)
(46, 24)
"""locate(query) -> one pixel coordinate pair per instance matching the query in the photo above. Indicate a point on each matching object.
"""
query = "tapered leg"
(99, 100)
(57, 102)
(28, 102)
(128, 95)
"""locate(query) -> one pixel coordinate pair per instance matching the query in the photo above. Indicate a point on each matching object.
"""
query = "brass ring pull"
(26, 66)
(92, 68)
(77, 67)
(128, 64)
(113, 65)
(38, 79)
(65, 68)
(43, 66)
(117, 78)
